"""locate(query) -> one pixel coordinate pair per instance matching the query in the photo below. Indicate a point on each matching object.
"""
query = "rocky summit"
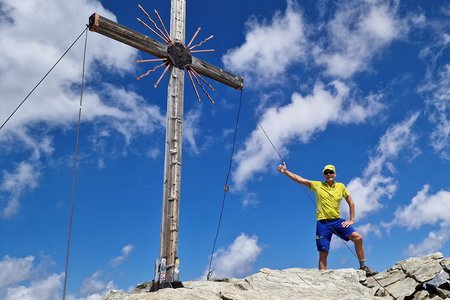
(414, 278)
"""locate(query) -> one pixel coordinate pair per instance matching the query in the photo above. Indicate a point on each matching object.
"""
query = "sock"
(362, 263)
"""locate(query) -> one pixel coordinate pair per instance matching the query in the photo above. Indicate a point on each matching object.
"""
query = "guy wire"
(226, 188)
(75, 171)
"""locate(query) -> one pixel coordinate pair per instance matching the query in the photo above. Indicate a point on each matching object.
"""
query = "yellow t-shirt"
(328, 199)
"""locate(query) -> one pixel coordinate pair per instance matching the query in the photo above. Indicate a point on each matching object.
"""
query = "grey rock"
(424, 268)
(410, 279)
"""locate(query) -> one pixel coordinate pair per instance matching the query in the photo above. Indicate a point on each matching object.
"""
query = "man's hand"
(282, 168)
(345, 224)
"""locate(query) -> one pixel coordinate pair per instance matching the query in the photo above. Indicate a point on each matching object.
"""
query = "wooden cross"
(167, 265)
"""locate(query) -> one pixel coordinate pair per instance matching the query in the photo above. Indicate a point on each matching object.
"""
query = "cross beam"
(123, 34)
(167, 265)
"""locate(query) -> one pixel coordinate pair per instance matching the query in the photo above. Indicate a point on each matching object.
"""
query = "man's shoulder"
(316, 182)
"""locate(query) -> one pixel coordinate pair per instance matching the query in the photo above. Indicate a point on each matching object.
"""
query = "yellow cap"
(329, 167)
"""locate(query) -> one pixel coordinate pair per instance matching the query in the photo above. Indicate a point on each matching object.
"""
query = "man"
(328, 196)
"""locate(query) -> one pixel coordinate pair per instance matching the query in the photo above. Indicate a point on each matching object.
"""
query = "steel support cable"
(226, 188)
(40, 81)
(75, 169)
(315, 205)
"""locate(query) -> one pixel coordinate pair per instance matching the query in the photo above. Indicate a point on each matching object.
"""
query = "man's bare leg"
(323, 260)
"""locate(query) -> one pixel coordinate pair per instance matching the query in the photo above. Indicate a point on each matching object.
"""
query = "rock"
(413, 278)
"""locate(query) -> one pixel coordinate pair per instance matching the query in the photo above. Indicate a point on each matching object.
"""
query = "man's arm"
(297, 178)
(351, 207)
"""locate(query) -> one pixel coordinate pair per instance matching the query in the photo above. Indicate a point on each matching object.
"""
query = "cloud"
(24, 177)
(432, 243)
(26, 31)
(126, 250)
(31, 44)
(20, 279)
(425, 209)
(439, 103)
(95, 287)
(367, 193)
(250, 200)
(269, 47)
(357, 32)
(299, 120)
(397, 138)
(14, 270)
(48, 288)
(369, 190)
(191, 129)
(237, 259)
(368, 228)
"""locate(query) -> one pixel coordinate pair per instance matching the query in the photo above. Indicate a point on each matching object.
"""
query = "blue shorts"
(325, 230)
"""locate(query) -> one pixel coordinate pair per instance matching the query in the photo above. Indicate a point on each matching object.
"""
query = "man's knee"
(323, 254)
(356, 237)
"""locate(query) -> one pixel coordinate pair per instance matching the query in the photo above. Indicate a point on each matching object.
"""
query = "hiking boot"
(369, 271)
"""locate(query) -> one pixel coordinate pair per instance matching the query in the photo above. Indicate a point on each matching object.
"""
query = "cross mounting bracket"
(179, 55)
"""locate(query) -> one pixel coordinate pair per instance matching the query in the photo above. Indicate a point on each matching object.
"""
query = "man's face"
(329, 175)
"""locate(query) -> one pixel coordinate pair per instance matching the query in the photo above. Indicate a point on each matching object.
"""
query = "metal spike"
(152, 30)
(193, 84)
(162, 23)
(202, 42)
(204, 50)
(150, 60)
(150, 71)
(164, 37)
(203, 79)
(193, 37)
(203, 89)
(162, 75)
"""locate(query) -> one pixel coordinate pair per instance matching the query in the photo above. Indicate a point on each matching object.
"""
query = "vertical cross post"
(168, 269)
(179, 57)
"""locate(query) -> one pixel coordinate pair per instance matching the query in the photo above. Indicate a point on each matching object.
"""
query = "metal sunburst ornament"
(178, 55)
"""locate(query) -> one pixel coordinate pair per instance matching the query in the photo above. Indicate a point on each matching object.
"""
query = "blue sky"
(363, 85)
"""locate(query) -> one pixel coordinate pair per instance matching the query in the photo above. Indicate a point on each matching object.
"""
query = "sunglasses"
(328, 172)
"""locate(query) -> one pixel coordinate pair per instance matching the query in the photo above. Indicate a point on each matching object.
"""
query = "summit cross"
(177, 57)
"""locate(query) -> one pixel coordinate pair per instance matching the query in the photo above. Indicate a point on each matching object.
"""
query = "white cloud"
(237, 259)
(425, 209)
(95, 288)
(31, 44)
(46, 289)
(14, 270)
(399, 137)
(26, 31)
(369, 190)
(367, 193)
(439, 102)
(368, 228)
(269, 49)
(191, 129)
(250, 200)
(126, 251)
(153, 153)
(432, 243)
(23, 178)
(20, 279)
(299, 120)
(358, 31)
